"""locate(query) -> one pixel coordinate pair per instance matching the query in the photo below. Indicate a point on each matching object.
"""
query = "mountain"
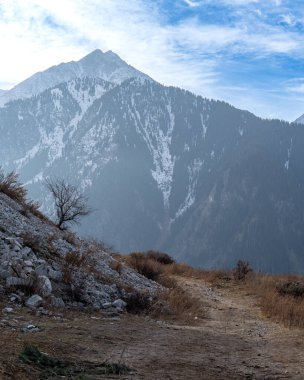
(107, 66)
(165, 169)
(300, 120)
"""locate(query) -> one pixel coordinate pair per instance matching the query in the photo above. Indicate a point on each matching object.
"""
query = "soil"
(231, 339)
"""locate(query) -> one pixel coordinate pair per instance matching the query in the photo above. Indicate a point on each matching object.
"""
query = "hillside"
(43, 266)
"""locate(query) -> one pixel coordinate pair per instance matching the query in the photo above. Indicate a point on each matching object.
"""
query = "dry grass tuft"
(178, 305)
(116, 265)
(32, 241)
(160, 257)
(144, 265)
(172, 302)
(10, 185)
(276, 302)
(72, 261)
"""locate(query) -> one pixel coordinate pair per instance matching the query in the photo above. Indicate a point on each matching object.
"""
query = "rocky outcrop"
(41, 265)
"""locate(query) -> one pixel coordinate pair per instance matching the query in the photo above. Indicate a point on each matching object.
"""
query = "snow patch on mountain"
(85, 93)
(158, 142)
(288, 155)
(193, 173)
(204, 118)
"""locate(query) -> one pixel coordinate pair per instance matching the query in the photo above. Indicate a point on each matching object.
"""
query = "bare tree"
(70, 204)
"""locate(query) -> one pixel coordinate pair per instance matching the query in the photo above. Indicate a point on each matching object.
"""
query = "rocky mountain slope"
(164, 168)
(41, 265)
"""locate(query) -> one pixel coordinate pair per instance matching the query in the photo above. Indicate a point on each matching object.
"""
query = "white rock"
(8, 310)
(119, 304)
(34, 301)
(106, 305)
(45, 286)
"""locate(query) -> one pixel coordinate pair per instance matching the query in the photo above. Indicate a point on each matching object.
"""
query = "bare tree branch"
(70, 204)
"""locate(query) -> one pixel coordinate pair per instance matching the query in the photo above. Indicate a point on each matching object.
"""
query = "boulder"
(34, 301)
(44, 285)
(119, 304)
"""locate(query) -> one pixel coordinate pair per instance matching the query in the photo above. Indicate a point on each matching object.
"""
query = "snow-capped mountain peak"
(107, 66)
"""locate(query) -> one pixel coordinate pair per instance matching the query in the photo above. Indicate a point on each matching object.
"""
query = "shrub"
(138, 302)
(32, 241)
(241, 270)
(10, 185)
(291, 288)
(143, 265)
(116, 265)
(33, 208)
(72, 261)
(160, 257)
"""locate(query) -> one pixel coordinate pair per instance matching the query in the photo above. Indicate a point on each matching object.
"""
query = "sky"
(249, 53)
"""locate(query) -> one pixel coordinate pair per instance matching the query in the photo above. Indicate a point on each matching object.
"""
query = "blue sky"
(247, 52)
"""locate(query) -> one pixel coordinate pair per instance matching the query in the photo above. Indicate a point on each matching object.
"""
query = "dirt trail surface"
(232, 341)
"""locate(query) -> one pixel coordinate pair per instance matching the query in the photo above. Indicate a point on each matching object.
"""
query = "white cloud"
(36, 34)
(192, 4)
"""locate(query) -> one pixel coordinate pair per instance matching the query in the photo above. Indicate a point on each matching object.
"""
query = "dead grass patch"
(144, 265)
(13, 188)
(178, 305)
(283, 306)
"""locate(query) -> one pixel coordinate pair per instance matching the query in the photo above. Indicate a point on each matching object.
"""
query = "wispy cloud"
(189, 43)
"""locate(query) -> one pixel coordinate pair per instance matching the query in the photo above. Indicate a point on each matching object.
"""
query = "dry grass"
(32, 241)
(116, 265)
(172, 302)
(176, 304)
(144, 265)
(71, 238)
(160, 257)
(72, 262)
(10, 185)
(284, 308)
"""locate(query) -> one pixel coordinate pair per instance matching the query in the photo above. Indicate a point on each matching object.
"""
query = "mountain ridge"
(108, 66)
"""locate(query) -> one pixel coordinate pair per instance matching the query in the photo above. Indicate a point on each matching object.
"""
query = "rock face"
(163, 168)
(37, 258)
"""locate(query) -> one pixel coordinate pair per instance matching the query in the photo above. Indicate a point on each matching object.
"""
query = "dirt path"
(232, 341)
(270, 349)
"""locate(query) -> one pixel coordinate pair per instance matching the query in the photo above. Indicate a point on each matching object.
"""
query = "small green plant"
(51, 367)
